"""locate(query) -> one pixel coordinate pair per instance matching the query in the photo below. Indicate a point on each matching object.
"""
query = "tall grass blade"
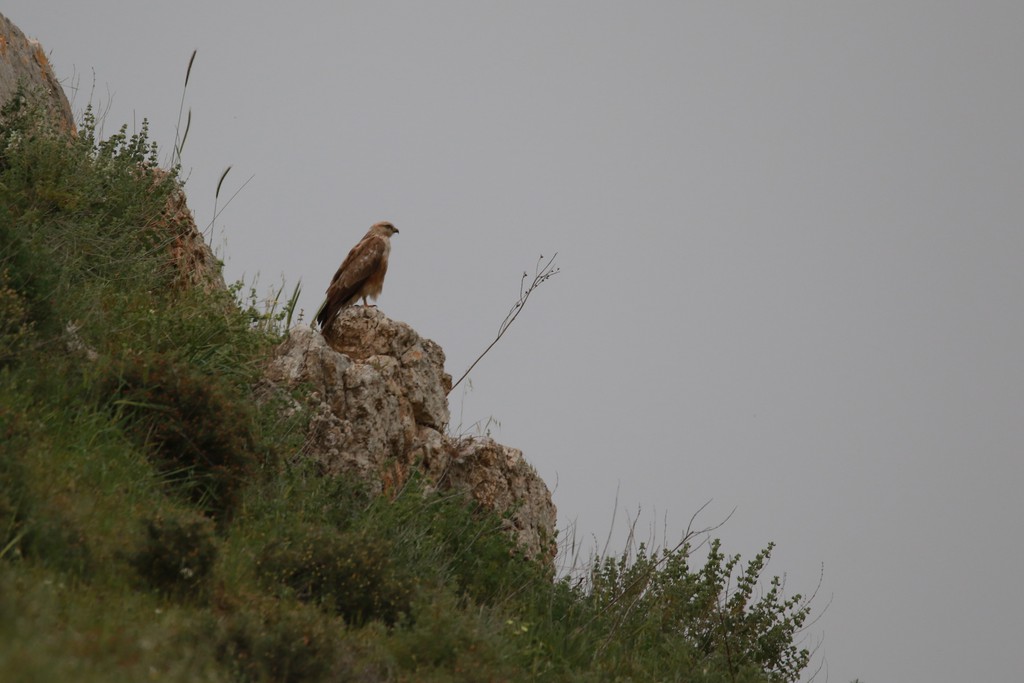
(179, 141)
(220, 182)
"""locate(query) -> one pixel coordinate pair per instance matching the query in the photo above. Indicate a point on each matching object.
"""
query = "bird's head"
(384, 229)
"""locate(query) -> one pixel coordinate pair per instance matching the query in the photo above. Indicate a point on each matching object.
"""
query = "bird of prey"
(361, 274)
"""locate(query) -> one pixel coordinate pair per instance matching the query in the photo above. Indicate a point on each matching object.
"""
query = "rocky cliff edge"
(23, 62)
(377, 394)
(376, 390)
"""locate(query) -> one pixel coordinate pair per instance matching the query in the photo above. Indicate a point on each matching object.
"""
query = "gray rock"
(377, 393)
(23, 61)
(500, 479)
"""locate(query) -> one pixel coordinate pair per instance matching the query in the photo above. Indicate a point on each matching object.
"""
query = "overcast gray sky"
(791, 244)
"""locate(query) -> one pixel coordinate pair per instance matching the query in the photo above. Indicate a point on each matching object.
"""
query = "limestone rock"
(362, 333)
(500, 479)
(193, 258)
(23, 61)
(377, 394)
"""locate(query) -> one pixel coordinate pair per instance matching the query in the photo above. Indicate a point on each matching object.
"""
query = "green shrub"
(196, 430)
(451, 539)
(58, 540)
(177, 555)
(31, 526)
(80, 214)
(15, 325)
(447, 642)
(12, 488)
(709, 618)
(26, 278)
(347, 573)
(281, 643)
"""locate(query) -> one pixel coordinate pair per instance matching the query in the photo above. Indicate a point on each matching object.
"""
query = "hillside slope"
(161, 516)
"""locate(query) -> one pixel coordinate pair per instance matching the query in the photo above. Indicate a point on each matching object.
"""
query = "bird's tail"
(322, 316)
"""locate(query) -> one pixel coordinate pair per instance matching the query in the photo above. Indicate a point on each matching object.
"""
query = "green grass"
(155, 524)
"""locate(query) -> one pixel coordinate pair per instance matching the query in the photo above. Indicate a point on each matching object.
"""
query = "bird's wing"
(362, 262)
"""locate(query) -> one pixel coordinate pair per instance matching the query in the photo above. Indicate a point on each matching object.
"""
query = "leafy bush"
(447, 642)
(177, 554)
(15, 326)
(196, 431)
(653, 602)
(57, 539)
(350, 574)
(12, 488)
(30, 526)
(80, 214)
(283, 643)
(451, 539)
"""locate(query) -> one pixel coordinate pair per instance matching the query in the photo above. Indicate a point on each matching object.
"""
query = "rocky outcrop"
(23, 62)
(193, 259)
(500, 479)
(377, 394)
(376, 391)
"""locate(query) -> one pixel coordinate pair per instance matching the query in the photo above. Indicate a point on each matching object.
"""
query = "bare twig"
(814, 594)
(218, 212)
(823, 664)
(644, 578)
(611, 527)
(541, 274)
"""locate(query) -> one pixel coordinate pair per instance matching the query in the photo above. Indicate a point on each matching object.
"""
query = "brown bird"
(361, 274)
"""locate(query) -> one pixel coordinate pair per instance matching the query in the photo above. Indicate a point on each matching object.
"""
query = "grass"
(155, 524)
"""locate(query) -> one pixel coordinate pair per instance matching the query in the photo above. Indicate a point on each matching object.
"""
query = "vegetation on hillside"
(156, 524)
